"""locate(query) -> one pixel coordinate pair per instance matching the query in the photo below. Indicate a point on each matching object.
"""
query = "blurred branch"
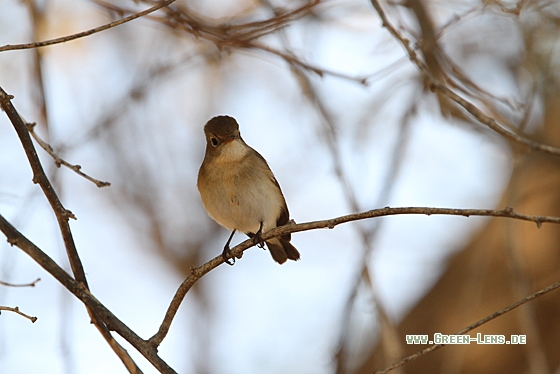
(242, 35)
(32, 284)
(429, 42)
(504, 8)
(237, 251)
(64, 39)
(522, 283)
(365, 234)
(59, 161)
(38, 17)
(16, 310)
(232, 35)
(436, 84)
(290, 59)
(182, 17)
(471, 327)
(388, 336)
(136, 92)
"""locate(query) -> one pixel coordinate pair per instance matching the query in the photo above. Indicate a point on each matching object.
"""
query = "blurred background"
(347, 124)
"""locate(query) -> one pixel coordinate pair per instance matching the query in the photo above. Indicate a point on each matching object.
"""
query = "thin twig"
(16, 310)
(32, 284)
(237, 251)
(470, 328)
(64, 39)
(60, 161)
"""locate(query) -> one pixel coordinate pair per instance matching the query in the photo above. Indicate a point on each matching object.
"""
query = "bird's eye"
(214, 141)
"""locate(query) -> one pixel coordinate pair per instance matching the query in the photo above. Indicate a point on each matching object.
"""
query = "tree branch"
(291, 227)
(16, 310)
(64, 39)
(59, 161)
(32, 284)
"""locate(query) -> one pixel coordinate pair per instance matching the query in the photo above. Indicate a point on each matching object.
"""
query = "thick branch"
(82, 34)
(82, 293)
(237, 251)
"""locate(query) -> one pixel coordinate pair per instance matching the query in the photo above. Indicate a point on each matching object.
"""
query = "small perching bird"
(239, 191)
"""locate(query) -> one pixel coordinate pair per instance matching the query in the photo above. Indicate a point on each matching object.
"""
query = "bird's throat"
(232, 151)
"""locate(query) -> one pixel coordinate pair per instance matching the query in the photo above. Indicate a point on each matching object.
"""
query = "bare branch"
(98, 310)
(39, 177)
(16, 310)
(62, 215)
(64, 39)
(32, 284)
(471, 327)
(59, 161)
(238, 250)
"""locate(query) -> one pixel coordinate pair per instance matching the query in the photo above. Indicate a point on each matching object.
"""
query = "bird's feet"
(226, 255)
(257, 238)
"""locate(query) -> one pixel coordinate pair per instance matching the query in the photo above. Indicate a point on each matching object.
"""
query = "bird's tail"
(282, 250)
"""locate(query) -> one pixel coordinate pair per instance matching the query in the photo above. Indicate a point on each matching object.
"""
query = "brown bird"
(239, 191)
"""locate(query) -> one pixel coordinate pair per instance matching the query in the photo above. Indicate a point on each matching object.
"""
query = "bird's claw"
(258, 237)
(226, 256)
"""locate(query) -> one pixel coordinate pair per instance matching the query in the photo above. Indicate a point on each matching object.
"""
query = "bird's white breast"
(242, 193)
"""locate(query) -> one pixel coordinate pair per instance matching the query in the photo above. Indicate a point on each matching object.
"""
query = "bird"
(239, 191)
